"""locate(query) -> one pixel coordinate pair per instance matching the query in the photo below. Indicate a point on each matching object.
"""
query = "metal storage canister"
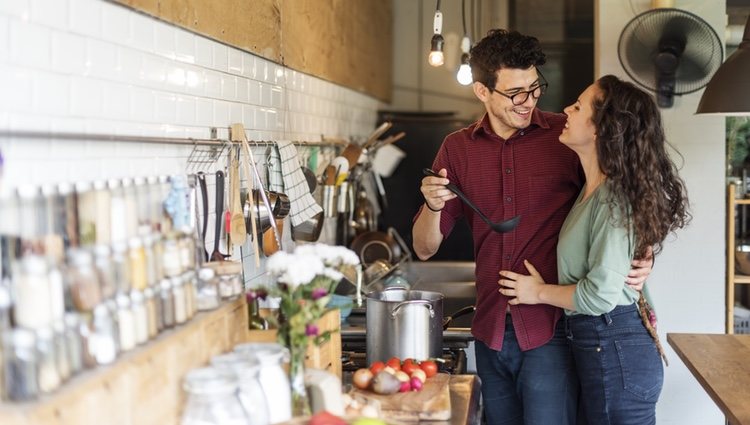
(404, 324)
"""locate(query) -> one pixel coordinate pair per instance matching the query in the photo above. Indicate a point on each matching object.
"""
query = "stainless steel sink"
(454, 279)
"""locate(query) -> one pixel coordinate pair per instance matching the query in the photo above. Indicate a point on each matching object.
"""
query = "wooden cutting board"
(432, 403)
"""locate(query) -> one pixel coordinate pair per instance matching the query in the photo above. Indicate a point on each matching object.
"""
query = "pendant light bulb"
(464, 74)
(436, 57)
(464, 71)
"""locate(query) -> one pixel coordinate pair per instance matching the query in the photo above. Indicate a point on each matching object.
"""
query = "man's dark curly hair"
(503, 49)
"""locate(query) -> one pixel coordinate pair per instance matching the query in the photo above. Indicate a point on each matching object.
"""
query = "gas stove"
(452, 361)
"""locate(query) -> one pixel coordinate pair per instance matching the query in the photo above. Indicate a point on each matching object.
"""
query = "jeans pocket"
(642, 370)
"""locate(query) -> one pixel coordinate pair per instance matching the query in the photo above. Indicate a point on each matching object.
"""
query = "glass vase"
(300, 403)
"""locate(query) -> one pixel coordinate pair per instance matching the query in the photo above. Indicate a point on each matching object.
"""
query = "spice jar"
(69, 208)
(167, 303)
(105, 271)
(148, 249)
(84, 283)
(142, 202)
(226, 287)
(121, 267)
(137, 258)
(86, 213)
(212, 398)
(33, 295)
(126, 322)
(105, 346)
(208, 297)
(151, 312)
(103, 213)
(131, 207)
(20, 368)
(118, 229)
(61, 351)
(171, 259)
(189, 278)
(140, 315)
(73, 342)
(49, 377)
(180, 300)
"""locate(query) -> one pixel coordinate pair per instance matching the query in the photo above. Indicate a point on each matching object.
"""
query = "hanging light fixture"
(464, 70)
(728, 92)
(436, 57)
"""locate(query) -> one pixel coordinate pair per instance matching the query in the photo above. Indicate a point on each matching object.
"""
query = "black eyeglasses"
(521, 97)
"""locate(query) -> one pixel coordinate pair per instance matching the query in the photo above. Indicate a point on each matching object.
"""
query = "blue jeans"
(537, 387)
(618, 366)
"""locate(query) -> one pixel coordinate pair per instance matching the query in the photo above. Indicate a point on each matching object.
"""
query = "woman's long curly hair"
(503, 49)
(632, 154)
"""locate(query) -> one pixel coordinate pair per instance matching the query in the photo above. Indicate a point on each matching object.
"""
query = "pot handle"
(403, 303)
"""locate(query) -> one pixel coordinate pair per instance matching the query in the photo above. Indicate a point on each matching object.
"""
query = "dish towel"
(303, 205)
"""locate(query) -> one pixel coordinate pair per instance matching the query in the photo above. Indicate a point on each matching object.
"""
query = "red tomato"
(408, 361)
(377, 367)
(394, 362)
(429, 367)
(409, 368)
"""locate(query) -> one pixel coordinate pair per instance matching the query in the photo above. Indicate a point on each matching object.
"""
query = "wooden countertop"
(721, 363)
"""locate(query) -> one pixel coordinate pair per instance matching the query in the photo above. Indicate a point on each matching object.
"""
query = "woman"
(632, 199)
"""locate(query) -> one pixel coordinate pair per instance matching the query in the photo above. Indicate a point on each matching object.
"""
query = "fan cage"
(639, 45)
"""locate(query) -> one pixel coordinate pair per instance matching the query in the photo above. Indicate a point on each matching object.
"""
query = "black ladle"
(502, 227)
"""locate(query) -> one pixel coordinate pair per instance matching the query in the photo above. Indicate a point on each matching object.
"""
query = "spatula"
(216, 255)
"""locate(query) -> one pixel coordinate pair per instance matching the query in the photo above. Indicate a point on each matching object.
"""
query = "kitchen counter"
(720, 364)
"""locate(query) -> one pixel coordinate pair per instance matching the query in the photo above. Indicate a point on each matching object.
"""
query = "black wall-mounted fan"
(670, 51)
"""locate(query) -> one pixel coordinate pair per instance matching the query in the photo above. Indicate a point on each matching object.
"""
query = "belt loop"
(607, 318)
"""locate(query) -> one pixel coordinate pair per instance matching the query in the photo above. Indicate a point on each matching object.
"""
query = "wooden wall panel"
(251, 25)
(342, 41)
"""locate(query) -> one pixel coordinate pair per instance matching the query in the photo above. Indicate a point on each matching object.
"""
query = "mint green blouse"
(595, 251)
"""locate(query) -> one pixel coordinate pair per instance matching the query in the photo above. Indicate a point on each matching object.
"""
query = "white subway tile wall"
(91, 66)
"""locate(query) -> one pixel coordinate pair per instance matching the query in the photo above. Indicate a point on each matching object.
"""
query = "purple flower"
(311, 330)
(318, 293)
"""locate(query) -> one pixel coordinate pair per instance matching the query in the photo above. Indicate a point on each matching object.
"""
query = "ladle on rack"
(501, 227)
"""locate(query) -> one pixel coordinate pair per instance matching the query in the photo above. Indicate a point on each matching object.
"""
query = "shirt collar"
(537, 120)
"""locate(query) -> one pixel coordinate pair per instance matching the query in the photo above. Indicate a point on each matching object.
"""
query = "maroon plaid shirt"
(530, 174)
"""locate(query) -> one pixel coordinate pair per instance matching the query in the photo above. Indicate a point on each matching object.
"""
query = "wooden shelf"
(741, 279)
(144, 386)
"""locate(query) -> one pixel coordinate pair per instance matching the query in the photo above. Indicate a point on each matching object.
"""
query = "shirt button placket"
(508, 186)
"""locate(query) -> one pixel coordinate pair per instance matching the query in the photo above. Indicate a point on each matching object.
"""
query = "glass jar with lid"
(167, 303)
(131, 208)
(180, 300)
(83, 281)
(73, 342)
(49, 376)
(137, 260)
(126, 322)
(86, 213)
(140, 315)
(105, 335)
(226, 287)
(171, 259)
(208, 297)
(142, 202)
(121, 267)
(61, 350)
(246, 370)
(118, 230)
(20, 366)
(105, 271)
(212, 398)
(103, 213)
(272, 377)
(190, 278)
(33, 296)
(151, 312)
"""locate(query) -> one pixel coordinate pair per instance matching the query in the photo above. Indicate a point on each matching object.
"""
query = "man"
(511, 163)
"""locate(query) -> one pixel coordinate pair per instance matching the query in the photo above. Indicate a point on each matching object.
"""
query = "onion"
(362, 378)
(416, 384)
